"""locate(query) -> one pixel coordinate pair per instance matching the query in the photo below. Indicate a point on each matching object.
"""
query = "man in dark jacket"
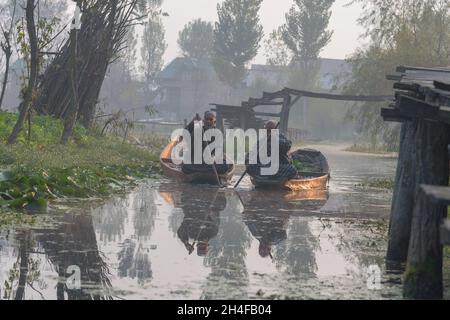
(209, 122)
(286, 170)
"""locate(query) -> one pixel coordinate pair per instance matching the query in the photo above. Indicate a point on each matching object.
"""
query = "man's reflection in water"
(267, 215)
(270, 229)
(201, 220)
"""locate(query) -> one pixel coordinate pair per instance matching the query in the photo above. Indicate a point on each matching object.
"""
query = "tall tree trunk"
(34, 61)
(107, 50)
(6, 75)
(72, 114)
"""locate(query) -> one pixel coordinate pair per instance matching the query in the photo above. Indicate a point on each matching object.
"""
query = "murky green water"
(166, 240)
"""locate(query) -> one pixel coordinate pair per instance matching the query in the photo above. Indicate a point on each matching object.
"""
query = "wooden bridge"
(418, 228)
(245, 116)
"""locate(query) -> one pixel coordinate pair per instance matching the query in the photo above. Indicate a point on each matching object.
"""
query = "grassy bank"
(35, 172)
(379, 183)
(359, 148)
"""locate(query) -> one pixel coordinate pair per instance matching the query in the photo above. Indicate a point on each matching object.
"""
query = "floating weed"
(15, 218)
(383, 183)
(36, 172)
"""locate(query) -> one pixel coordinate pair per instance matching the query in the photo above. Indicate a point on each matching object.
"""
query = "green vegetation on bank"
(34, 172)
(381, 183)
(359, 148)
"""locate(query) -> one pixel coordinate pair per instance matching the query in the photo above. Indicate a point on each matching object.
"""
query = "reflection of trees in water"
(110, 219)
(25, 272)
(176, 218)
(362, 243)
(229, 276)
(134, 259)
(296, 256)
(145, 212)
(73, 243)
(134, 263)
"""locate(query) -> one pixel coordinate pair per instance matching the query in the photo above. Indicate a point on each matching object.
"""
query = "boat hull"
(311, 183)
(307, 181)
(174, 171)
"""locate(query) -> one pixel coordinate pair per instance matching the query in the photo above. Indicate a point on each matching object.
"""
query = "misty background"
(182, 58)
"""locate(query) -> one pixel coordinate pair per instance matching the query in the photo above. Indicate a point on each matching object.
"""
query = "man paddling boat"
(209, 123)
(286, 169)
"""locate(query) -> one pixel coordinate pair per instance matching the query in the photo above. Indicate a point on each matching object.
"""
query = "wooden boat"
(315, 178)
(174, 171)
(310, 195)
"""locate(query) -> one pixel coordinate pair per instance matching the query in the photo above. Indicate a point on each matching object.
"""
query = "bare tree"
(72, 114)
(102, 38)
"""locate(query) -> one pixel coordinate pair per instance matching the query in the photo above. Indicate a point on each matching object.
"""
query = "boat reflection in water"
(201, 221)
(267, 214)
(247, 234)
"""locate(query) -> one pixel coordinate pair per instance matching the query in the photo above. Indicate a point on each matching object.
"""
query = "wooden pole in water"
(423, 277)
(403, 198)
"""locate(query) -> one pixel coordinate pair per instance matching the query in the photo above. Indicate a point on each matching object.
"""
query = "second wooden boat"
(315, 176)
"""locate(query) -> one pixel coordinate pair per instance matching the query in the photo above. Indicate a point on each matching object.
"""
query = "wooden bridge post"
(243, 120)
(423, 277)
(403, 198)
(286, 109)
(220, 124)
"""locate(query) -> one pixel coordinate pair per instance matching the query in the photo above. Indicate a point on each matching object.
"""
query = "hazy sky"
(343, 22)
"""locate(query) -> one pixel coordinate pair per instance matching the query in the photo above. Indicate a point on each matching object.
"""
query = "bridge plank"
(393, 115)
(437, 194)
(416, 108)
(442, 86)
(445, 233)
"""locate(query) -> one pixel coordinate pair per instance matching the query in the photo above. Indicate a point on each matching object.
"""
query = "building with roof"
(188, 86)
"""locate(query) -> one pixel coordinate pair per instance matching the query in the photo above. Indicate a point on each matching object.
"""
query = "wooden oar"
(240, 180)
(208, 214)
(219, 183)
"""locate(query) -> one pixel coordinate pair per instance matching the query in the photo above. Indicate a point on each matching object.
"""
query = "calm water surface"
(167, 240)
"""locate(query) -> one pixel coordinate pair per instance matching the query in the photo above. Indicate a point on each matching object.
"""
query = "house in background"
(187, 86)
(312, 119)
